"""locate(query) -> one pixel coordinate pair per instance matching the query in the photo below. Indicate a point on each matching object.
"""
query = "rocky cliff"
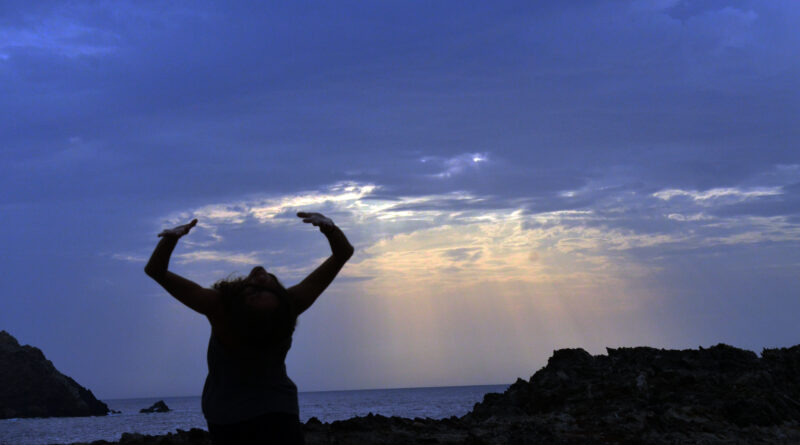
(30, 386)
(719, 395)
(645, 395)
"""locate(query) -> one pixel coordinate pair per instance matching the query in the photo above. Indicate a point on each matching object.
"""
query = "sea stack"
(158, 407)
(30, 386)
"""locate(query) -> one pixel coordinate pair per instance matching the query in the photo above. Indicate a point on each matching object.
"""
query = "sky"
(516, 177)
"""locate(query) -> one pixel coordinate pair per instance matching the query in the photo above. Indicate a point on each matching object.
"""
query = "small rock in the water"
(158, 407)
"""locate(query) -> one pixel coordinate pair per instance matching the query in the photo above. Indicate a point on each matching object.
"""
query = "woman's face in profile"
(259, 292)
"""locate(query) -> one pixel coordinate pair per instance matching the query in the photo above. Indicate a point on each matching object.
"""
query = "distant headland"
(30, 386)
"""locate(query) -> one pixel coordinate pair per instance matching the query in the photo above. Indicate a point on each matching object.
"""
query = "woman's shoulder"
(221, 329)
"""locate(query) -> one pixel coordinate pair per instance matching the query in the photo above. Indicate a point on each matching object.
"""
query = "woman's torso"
(245, 384)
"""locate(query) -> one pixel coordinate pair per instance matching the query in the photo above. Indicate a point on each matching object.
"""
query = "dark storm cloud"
(677, 101)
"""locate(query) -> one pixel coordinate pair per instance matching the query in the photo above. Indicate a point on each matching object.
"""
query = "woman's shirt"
(240, 387)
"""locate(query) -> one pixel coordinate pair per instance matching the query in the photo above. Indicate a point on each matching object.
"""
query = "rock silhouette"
(718, 395)
(158, 407)
(30, 386)
(645, 395)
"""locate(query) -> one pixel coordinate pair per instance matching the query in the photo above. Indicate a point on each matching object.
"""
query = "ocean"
(327, 406)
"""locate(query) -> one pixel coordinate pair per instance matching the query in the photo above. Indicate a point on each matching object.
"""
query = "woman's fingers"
(180, 230)
(316, 219)
(309, 215)
(188, 227)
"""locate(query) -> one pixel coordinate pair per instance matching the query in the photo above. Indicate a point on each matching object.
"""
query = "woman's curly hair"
(255, 330)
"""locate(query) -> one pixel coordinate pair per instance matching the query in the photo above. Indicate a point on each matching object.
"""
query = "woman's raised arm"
(307, 291)
(198, 298)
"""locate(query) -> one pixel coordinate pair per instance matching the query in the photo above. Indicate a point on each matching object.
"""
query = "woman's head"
(259, 308)
(262, 290)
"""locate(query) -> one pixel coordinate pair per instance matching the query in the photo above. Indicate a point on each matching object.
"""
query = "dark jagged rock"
(195, 436)
(716, 395)
(158, 407)
(30, 386)
(719, 395)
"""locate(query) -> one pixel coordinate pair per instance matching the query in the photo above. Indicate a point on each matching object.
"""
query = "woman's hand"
(339, 245)
(307, 291)
(179, 231)
(324, 223)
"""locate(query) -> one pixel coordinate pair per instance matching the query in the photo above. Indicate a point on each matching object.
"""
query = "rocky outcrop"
(30, 386)
(645, 395)
(158, 407)
(719, 395)
(180, 437)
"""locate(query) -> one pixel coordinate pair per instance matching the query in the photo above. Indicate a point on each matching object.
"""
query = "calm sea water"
(327, 406)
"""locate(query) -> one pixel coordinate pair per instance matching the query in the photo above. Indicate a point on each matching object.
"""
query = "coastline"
(717, 395)
(185, 413)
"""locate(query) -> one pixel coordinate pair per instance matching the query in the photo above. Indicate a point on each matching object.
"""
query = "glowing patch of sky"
(545, 275)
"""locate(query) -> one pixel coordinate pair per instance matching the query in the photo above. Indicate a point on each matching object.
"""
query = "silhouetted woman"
(247, 397)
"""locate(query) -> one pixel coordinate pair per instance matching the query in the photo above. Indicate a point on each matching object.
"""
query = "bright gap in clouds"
(734, 194)
(459, 286)
(446, 282)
